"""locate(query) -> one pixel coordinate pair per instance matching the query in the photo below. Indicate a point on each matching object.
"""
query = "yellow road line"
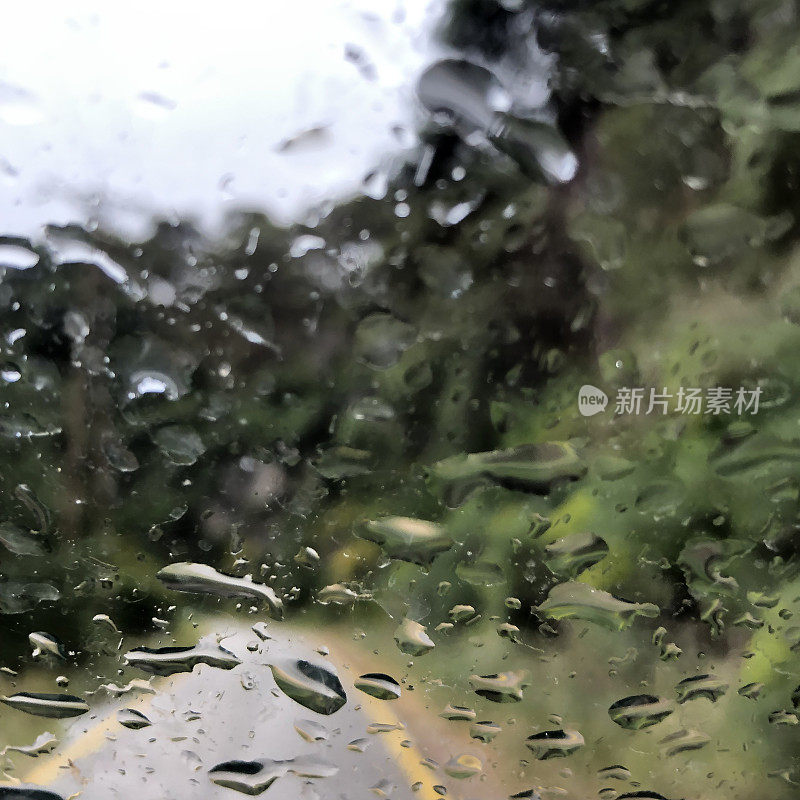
(408, 759)
(86, 744)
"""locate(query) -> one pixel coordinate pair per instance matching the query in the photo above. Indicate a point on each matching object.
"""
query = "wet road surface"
(212, 715)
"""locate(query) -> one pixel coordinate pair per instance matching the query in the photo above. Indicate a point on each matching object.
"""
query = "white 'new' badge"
(591, 400)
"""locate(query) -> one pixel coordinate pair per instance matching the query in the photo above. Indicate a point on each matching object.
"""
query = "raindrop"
(45, 645)
(37, 509)
(510, 632)
(412, 638)
(701, 686)
(378, 685)
(315, 686)
(612, 468)
(261, 630)
(384, 727)
(311, 731)
(480, 573)
(554, 744)
(484, 731)
(472, 100)
(130, 718)
(204, 579)
(457, 713)
(358, 745)
(381, 339)
(255, 777)
(383, 788)
(615, 772)
(169, 660)
(414, 540)
(15, 256)
(683, 741)
(180, 444)
(463, 766)
(465, 93)
(119, 457)
(573, 600)
(57, 706)
(70, 250)
(501, 687)
(751, 690)
(307, 556)
(303, 244)
(22, 792)
(461, 612)
(44, 743)
(573, 554)
(18, 598)
(782, 717)
(136, 685)
(533, 467)
(104, 619)
(303, 141)
(20, 542)
(339, 595)
(152, 105)
(639, 711)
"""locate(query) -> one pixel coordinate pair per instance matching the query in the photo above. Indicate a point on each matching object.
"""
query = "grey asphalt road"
(211, 715)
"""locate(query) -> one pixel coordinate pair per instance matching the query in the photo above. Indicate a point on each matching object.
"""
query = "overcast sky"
(186, 108)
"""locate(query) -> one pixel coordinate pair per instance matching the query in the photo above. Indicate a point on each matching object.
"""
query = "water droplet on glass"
(204, 579)
(169, 660)
(484, 730)
(683, 741)
(500, 687)
(255, 777)
(378, 685)
(573, 600)
(313, 685)
(133, 719)
(573, 554)
(554, 744)
(152, 105)
(463, 766)
(457, 713)
(17, 256)
(699, 686)
(46, 645)
(412, 638)
(415, 540)
(44, 743)
(639, 711)
(57, 706)
(311, 731)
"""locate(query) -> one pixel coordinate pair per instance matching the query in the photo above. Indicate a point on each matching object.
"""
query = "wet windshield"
(397, 399)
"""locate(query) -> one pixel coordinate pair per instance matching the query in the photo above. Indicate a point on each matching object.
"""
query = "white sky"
(226, 82)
